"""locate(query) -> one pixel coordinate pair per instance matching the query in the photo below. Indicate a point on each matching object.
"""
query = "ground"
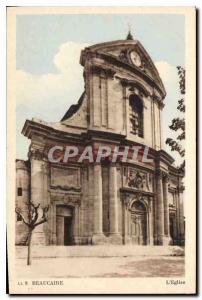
(100, 263)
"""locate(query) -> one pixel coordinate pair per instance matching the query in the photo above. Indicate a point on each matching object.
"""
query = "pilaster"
(115, 237)
(98, 236)
(160, 208)
(167, 238)
(151, 221)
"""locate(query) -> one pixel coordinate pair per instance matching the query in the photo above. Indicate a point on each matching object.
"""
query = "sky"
(48, 74)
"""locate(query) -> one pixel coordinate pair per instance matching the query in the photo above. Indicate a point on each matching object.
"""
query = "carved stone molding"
(157, 100)
(163, 175)
(68, 199)
(129, 198)
(133, 84)
(37, 154)
(139, 179)
(124, 82)
(66, 188)
(99, 69)
(123, 56)
(166, 177)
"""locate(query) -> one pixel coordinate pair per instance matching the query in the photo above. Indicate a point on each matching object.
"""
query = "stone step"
(99, 251)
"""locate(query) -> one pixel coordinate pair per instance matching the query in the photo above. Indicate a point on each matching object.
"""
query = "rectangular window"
(19, 191)
(19, 218)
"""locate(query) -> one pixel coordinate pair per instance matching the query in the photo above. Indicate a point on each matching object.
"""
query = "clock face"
(136, 60)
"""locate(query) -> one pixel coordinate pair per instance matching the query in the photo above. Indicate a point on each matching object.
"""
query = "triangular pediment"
(132, 53)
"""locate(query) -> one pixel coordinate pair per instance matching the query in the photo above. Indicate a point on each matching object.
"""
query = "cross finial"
(129, 36)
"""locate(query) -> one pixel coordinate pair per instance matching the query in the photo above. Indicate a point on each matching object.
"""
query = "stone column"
(125, 215)
(177, 216)
(51, 219)
(76, 225)
(151, 222)
(181, 216)
(54, 236)
(160, 208)
(115, 237)
(37, 195)
(125, 231)
(155, 213)
(46, 200)
(98, 236)
(167, 238)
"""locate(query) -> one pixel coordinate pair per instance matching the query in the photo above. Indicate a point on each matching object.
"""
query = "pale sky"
(48, 74)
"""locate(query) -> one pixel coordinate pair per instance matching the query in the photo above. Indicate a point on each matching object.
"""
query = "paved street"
(137, 266)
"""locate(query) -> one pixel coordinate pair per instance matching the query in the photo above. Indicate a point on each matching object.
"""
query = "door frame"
(138, 213)
(62, 214)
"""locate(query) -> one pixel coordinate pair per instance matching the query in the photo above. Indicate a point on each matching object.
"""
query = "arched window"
(138, 206)
(136, 115)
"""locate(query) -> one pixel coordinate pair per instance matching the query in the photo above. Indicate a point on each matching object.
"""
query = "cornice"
(111, 59)
(40, 129)
(134, 83)
(164, 157)
(127, 190)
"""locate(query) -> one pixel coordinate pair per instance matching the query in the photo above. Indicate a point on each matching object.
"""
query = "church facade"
(105, 202)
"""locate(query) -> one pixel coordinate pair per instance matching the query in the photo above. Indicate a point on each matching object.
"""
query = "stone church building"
(131, 202)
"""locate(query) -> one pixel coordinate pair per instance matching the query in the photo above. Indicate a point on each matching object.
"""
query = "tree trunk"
(29, 247)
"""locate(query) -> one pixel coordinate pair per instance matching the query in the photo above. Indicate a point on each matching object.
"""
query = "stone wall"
(22, 198)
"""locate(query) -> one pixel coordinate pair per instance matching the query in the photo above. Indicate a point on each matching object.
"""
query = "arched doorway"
(138, 223)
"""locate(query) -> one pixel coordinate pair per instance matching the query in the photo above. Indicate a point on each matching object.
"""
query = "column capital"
(126, 199)
(159, 173)
(36, 153)
(166, 177)
(162, 174)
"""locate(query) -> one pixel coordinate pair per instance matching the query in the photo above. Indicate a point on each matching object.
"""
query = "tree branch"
(35, 214)
(44, 216)
(40, 222)
(20, 215)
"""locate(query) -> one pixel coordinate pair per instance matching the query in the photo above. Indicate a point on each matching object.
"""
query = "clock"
(135, 58)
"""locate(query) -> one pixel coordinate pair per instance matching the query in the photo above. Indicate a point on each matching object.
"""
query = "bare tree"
(33, 220)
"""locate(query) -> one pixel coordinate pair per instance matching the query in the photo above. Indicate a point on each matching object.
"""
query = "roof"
(73, 108)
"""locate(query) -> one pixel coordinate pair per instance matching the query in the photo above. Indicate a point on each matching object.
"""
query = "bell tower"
(124, 91)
